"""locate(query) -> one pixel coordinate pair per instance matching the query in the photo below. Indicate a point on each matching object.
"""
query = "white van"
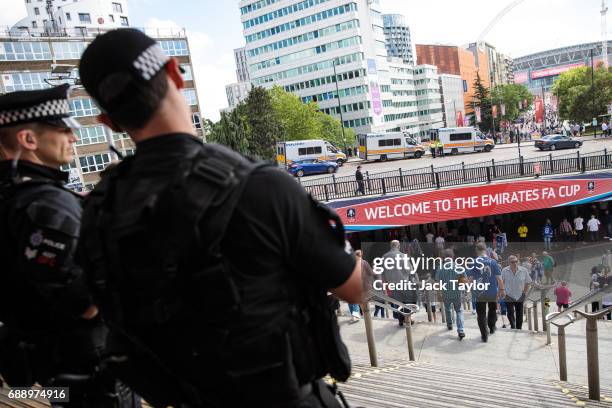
(463, 140)
(392, 145)
(288, 152)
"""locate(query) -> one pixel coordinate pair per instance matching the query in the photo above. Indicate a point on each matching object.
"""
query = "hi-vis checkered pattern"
(49, 109)
(150, 61)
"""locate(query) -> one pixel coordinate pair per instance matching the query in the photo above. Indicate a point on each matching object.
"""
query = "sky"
(213, 28)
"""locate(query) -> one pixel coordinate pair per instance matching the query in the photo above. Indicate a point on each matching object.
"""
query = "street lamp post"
(543, 103)
(339, 106)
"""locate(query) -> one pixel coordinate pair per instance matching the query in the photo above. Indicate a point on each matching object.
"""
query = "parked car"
(307, 167)
(554, 142)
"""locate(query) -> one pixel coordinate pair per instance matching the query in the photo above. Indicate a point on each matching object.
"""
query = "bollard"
(529, 320)
(408, 324)
(593, 352)
(544, 308)
(367, 319)
(443, 312)
(429, 314)
(548, 336)
(335, 185)
(562, 356)
(535, 317)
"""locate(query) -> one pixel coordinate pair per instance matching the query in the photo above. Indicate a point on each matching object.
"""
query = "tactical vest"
(160, 261)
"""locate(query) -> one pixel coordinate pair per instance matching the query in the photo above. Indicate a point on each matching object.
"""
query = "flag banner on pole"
(539, 110)
(494, 111)
(477, 111)
(503, 109)
(459, 118)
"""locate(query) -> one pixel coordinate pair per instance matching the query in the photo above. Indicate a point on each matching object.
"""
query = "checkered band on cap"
(49, 109)
(150, 61)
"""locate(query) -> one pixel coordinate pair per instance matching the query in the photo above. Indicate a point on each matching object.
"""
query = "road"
(499, 153)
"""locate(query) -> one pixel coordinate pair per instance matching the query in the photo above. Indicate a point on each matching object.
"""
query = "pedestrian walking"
(211, 269)
(489, 273)
(593, 228)
(579, 228)
(522, 232)
(51, 327)
(360, 183)
(606, 261)
(548, 232)
(548, 264)
(537, 269)
(565, 228)
(516, 282)
(398, 273)
(563, 295)
(452, 297)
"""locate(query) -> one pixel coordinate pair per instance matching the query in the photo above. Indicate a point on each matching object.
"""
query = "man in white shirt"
(429, 237)
(579, 227)
(593, 228)
(516, 281)
(440, 243)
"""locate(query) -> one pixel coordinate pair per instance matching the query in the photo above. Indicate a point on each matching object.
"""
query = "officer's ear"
(106, 120)
(174, 73)
(26, 139)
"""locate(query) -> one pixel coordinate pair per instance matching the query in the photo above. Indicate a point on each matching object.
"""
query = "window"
(68, 17)
(117, 8)
(25, 81)
(196, 120)
(129, 152)
(93, 163)
(174, 48)
(460, 136)
(190, 95)
(85, 18)
(389, 142)
(188, 75)
(90, 135)
(68, 49)
(124, 21)
(111, 18)
(119, 136)
(83, 107)
(302, 151)
(36, 11)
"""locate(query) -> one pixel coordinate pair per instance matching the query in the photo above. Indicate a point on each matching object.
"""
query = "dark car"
(554, 142)
(305, 167)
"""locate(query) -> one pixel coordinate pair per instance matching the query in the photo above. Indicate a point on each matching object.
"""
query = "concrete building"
(454, 60)
(499, 65)
(75, 18)
(310, 46)
(40, 58)
(451, 89)
(236, 93)
(242, 71)
(397, 36)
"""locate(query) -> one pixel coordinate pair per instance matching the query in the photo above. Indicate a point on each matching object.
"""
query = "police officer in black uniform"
(212, 270)
(51, 331)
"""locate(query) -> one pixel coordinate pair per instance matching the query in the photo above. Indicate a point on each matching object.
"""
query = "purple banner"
(376, 101)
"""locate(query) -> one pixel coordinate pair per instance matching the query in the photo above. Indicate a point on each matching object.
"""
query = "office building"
(236, 93)
(451, 88)
(242, 71)
(397, 37)
(310, 46)
(499, 65)
(36, 58)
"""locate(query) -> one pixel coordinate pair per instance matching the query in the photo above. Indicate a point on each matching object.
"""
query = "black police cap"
(41, 106)
(119, 61)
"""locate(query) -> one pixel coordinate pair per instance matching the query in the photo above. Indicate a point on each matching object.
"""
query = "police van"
(288, 152)
(385, 146)
(462, 140)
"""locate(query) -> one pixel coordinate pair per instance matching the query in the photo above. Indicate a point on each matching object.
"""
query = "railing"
(21, 33)
(591, 336)
(333, 188)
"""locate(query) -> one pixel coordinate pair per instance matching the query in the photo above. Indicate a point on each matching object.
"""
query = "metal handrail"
(589, 297)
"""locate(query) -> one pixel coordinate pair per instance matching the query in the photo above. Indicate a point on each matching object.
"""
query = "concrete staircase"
(422, 385)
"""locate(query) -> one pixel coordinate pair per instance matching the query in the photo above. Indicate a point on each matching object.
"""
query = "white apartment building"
(73, 17)
(451, 88)
(237, 93)
(297, 44)
(429, 103)
(242, 72)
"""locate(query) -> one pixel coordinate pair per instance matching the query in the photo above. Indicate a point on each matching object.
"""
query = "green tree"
(264, 128)
(331, 131)
(231, 130)
(300, 121)
(575, 93)
(482, 100)
(511, 95)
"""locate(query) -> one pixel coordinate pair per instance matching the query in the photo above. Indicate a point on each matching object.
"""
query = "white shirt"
(514, 283)
(429, 238)
(578, 223)
(593, 224)
(440, 242)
